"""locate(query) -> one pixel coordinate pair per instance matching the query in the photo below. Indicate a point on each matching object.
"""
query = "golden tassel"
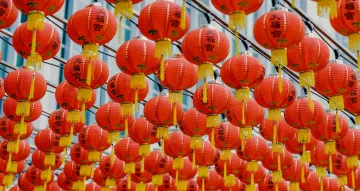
(225, 155)
(175, 97)
(353, 178)
(251, 187)
(225, 169)
(11, 147)
(73, 116)
(236, 42)
(83, 113)
(49, 159)
(310, 102)
(337, 122)
(330, 147)
(279, 161)
(163, 48)
(142, 168)
(90, 51)
(183, 15)
(358, 60)
(274, 114)
(78, 185)
(193, 160)
(8, 179)
(129, 181)
(9, 162)
(277, 148)
(19, 128)
(23, 109)
(336, 102)
(352, 161)
(304, 136)
(136, 100)
(63, 157)
(252, 179)
(203, 184)
(33, 43)
(321, 171)
(125, 8)
(205, 97)
(162, 147)
(138, 81)
(162, 69)
(46, 174)
(252, 166)
(126, 126)
(294, 186)
(213, 137)
(206, 70)
(203, 171)
(277, 176)
(182, 185)
(342, 180)
(293, 3)
(35, 20)
(212, 120)
(110, 182)
(129, 169)
(245, 133)
(321, 184)
(237, 20)
(84, 94)
(140, 187)
(279, 57)
(178, 163)
(275, 133)
(34, 61)
(196, 143)
(230, 181)
(354, 42)
(85, 170)
(243, 113)
(112, 155)
(276, 187)
(32, 87)
(280, 80)
(358, 120)
(144, 150)
(89, 75)
(156, 179)
(242, 94)
(302, 174)
(305, 157)
(176, 177)
(307, 78)
(127, 109)
(162, 132)
(94, 156)
(330, 164)
(175, 115)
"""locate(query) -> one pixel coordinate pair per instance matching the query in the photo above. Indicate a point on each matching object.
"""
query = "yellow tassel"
(225, 155)
(252, 166)
(236, 42)
(126, 126)
(243, 113)
(353, 178)
(206, 70)
(83, 113)
(302, 174)
(163, 48)
(274, 114)
(162, 132)
(183, 15)
(11, 147)
(142, 168)
(9, 163)
(182, 185)
(279, 161)
(35, 20)
(46, 174)
(277, 148)
(277, 176)
(203, 184)
(213, 137)
(175, 97)
(294, 186)
(242, 94)
(252, 181)
(330, 164)
(49, 159)
(23, 108)
(156, 179)
(34, 61)
(307, 79)
(144, 150)
(110, 182)
(162, 69)
(225, 169)
(342, 180)
(124, 8)
(17, 144)
(73, 116)
(94, 156)
(358, 120)
(90, 51)
(175, 115)
(205, 97)
(203, 171)
(193, 160)
(66, 140)
(136, 100)
(310, 102)
(242, 145)
(129, 181)
(280, 79)
(113, 136)
(140, 187)
(127, 109)
(354, 42)
(138, 81)
(33, 43)
(304, 136)
(63, 157)
(321, 171)
(230, 181)
(336, 102)
(237, 20)
(321, 184)
(337, 122)
(8, 179)
(120, 30)
(78, 185)
(176, 177)
(85, 170)
(129, 168)
(275, 133)
(279, 57)
(84, 94)
(32, 87)
(251, 187)
(19, 128)
(293, 3)
(352, 161)
(163, 147)
(212, 121)
(196, 143)
(245, 133)
(330, 147)
(178, 163)
(305, 157)
(89, 75)
(276, 187)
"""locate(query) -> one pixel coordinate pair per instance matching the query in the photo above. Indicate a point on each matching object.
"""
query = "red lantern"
(48, 142)
(64, 182)
(9, 15)
(289, 32)
(65, 95)
(233, 166)
(177, 146)
(296, 174)
(119, 90)
(246, 115)
(158, 164)
(242, 73)
(38, 160)
(110, 118)
(268, 184)
(9, 130)
(47, 43)
(330, 183)
(168, 184)
(351, 103)
(311, 183)
(340, 169)
(211, 182)
(32, 9)
(122, 185)
(34, 175)
(99, 177)
(334, 81)
(12, 155)
(163, 28)
(252, 178)
(295, 147)
(179, 74)
(227, 137)
(10, 111)
(113, 170)
(218, 50)
(236, 184)
(92, 187)
(103, 28)
(81, 73)
(321, 159)
(72, 170)
(141, 177)
(9, 177)
(184, 174)
(95, 140)
(58, 124)
(128, 151)
(24, 184)
(124, 8)
(79, 155)
(311, 55)
(299, 115)
(162, 113)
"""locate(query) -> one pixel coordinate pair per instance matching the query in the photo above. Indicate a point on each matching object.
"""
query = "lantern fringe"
(94, 156)
(8, 179)
(144, 150)
(294, 186)
(175, 97)
(138, 81)
(279, 57)
(46, 174)
(34, 61)
(251, 187)
(230, 181)
(307, 79)
(277, 176)
(19, 128)
(140, 187)
(127, 109)
(84, 94)
(357, 120)
(40, 188)
(114, 136)
(277, 148)
(354, 42)
(162, 132)
(78, 185)
(156, 179)
(203, 171)
(50, 159)
(124, 8)
(237, 20)
(274, 114)
(212, 121)
(195, 143)
(73, 116)
(252, 166)
(35, 20)
(225, 154)
(352, 161)
(342, 180)
(304, 135)
(105, 189)
(65, 140)
(129, 168)
(23, 108)
(327, 8)
(109, 182)
(245, 133)
(163, 48)
(13, 146)
(336, 102)
(90, 51)
(182, 185)
(242, 94)
(206, 70)
(305, 157)
(85, 170)
(330, 147)
(178, 163)
(321, 171)
(183, 15)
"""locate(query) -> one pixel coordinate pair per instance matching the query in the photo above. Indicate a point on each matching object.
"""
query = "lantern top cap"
(336, 61)
(278, 8)
(94, 5)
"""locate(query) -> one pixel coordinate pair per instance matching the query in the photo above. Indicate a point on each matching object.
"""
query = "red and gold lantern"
(351, 103)
(35, 176)
(64, 182)
(9, 130)
(141, 177)
(10, 13)
(341, 170)
(268, 184)
(211, 182)
(252, 178)
(296, 174)
(113, 170)
(48, 142)
(311, 183)
(184, 174)
(13, 156)
(38, 160)
(24, 184)
(158, 164)
(321, 160)
(229, 169)
(72, 170)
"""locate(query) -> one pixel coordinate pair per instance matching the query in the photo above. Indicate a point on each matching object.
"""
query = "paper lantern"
(9, 14)
(311, 183)
(321, 160)
(13, 154)
(252, 178)
(113, 169)
(211, 182)
(24, 184)
(9, 130)
(269, 185)
(232, 167)
(351, 103)
(141, 177)
(38, 160)
(296, 174)
(227, 137)
(184, 174)
(64, 182)
(72, 170)
(158, 164)
(34, 175)
(295, 147)
(276, 162)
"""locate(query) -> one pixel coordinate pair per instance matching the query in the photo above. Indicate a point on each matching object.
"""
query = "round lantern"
(341, 170)
(276, 162)
(64, 182)
(13, 155)
(246, 115)
(128, 151)
(9, 14)
(351, 103)
(95, 140)
(299, 115)
(24, 184)
(163, 28)
(296, 174)
(311, 55)
(81, 156)
(48, 142)
(321, 160)
(92, 187)
(103, 29)
(229, 169)
(311, 183)
(335, 80)
(35, 176)
(119, 90)
(44, 44)
(38, 160)
(141, 177)
(211, 182)
(110, 118)
(212, 47)
(269, 185)
(278, 30)
(168, 184)
(184, 174)
(330, 183)
(58, 124)
(179, 74)
(220, 99)
(252, 178)
(2, 88)
(12, 113)
(295, 147)
(144, 133)
(242, 73)
(10, 130)
(99, 177)
(158, 164)
(162, 113)
(122, 185)
(113, 170)
(8, 178)
(72, 170)
(65, 95)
